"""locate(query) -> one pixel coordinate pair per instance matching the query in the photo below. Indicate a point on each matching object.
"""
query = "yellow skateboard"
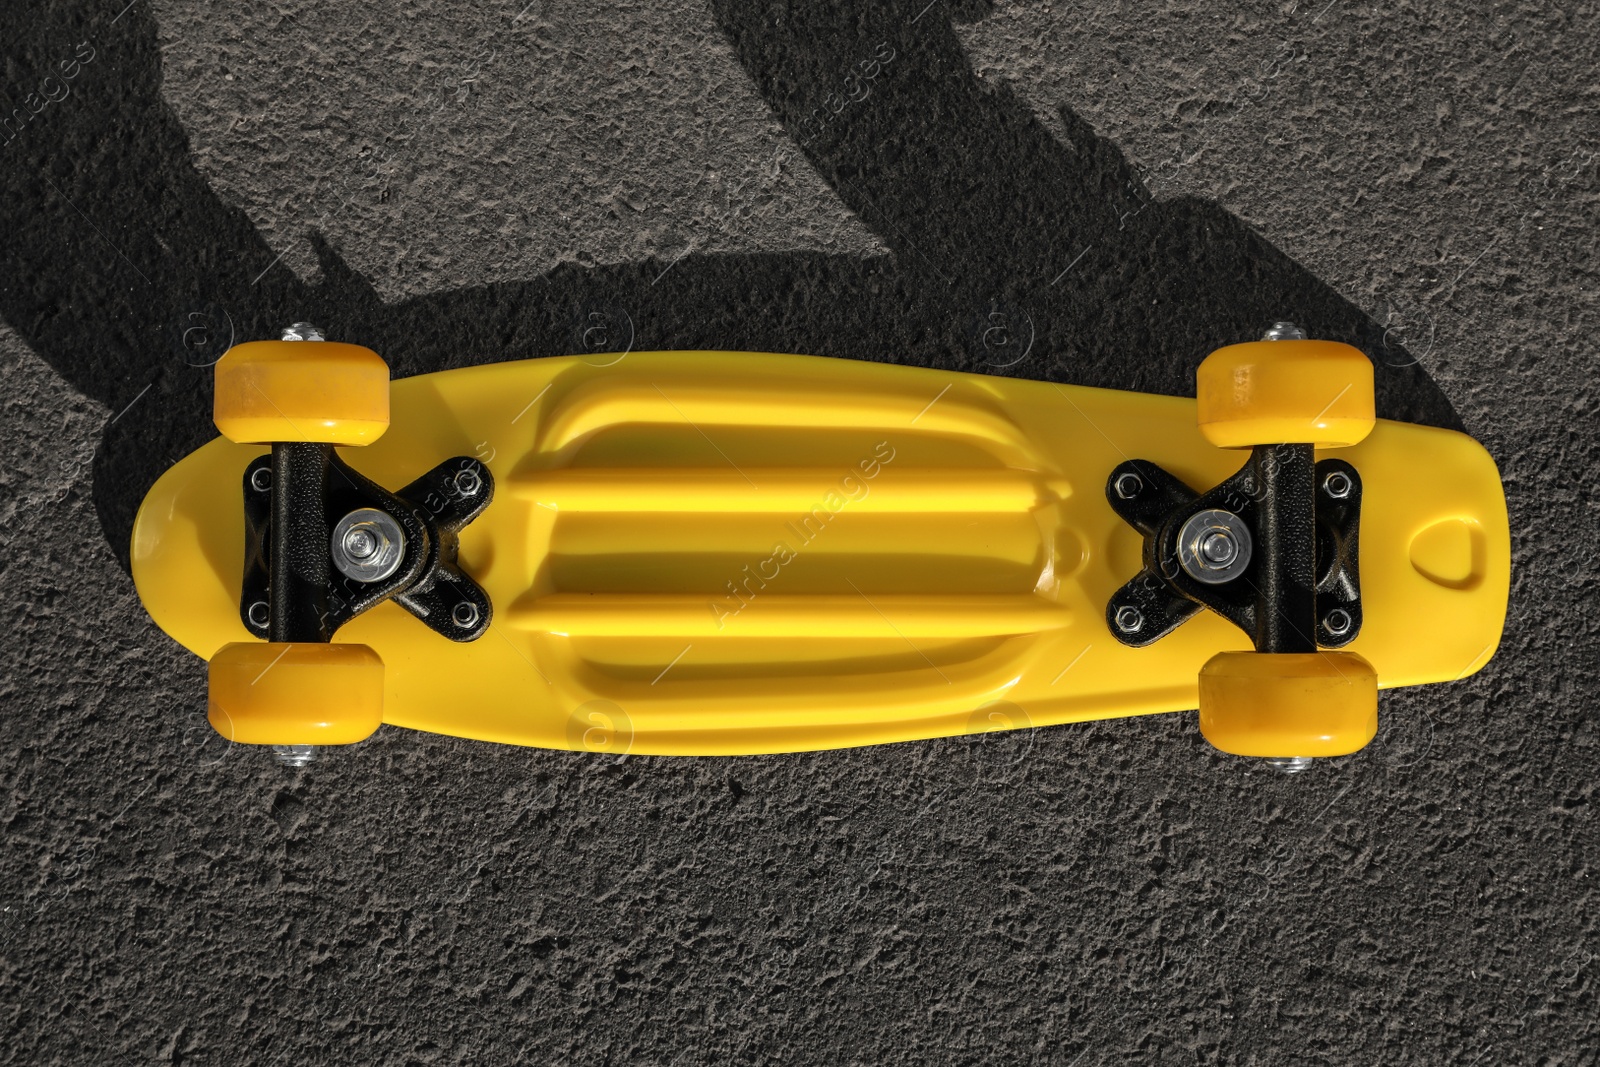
(718, 553)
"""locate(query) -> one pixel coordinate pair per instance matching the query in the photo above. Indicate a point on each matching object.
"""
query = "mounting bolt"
(1130, 620)
(303, 331)
(1284, 331)
(1337, 485)
(1214, 546)
(261, 479)
(468, 483)
(1337, 622)
(367, 545)
(295, 755)
(465, 614)
(260, 614)
(1290, 764)
(1128, 485)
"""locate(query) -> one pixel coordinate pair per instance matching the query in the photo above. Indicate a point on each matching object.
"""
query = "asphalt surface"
(1125, 187)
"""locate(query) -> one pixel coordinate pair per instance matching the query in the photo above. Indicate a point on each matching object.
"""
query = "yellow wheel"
(1285, 392)
(295, 693)
(321, 392)
(1286, 704)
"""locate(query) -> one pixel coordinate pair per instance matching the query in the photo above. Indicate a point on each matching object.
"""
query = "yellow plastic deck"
(725, 553)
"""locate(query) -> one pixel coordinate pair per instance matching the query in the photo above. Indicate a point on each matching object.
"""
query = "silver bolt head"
(1130, 620)
(1218, 547)
(368, 545)
(467, 482)
(465, 614)
(261, 479)
(295, 755)
(1337, 485)
(1284, 331)
(360, 542)
(1290, 764)
(1214, 546)
(1337, 622)
(303, 331)
(1128, 485)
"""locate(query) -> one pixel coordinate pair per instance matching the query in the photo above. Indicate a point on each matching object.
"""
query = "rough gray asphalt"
(458, 185)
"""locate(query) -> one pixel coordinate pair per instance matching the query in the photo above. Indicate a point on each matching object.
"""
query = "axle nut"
(367, 545)
(1214, 546)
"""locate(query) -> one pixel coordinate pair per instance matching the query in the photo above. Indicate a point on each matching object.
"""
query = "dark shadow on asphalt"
(1011, 251)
